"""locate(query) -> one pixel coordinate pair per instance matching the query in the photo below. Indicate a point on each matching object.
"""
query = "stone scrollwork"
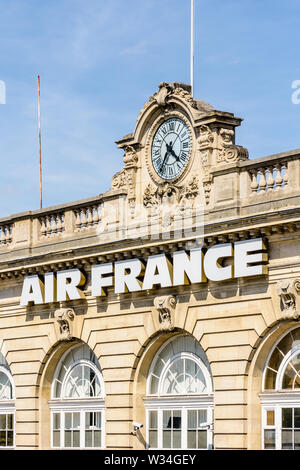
(168, 199)
(289, 290)
(126, 178)
(165, 305)
(64, 318)
(228, 152)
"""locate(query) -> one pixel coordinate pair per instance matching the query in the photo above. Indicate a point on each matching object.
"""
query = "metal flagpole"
(192, 46)
(40, 146)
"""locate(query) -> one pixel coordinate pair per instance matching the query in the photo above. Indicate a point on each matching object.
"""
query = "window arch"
(180, 368)
(7, 405)
(179, 401)
(281, 393)
(77, 404)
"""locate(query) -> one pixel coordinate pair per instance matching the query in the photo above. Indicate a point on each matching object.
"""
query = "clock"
(171, 147)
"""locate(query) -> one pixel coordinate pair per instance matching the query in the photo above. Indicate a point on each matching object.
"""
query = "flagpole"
(192, 47)
(40, 140)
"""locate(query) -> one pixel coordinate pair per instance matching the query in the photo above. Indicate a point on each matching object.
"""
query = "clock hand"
(165, 159)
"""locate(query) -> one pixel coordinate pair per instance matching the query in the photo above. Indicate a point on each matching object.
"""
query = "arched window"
(77, 404)
(7, 405)
(179, 399)
(281, 394)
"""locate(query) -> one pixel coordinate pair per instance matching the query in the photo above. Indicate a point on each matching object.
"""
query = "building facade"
(163, 313)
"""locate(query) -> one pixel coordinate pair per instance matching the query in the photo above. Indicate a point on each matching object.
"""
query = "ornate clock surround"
(169, 112)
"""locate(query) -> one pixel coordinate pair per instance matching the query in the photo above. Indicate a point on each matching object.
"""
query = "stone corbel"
(288, 290)
(64, 318)
(165, 305)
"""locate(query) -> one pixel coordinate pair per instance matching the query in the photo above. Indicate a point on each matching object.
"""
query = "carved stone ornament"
(288, 290)
(177, 89)
(228, 152)
(64, 318)
(126, 178)
(206, 138)
(165, 305)
(207, 189)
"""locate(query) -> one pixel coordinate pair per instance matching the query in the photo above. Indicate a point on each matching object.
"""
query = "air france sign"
(219, 263)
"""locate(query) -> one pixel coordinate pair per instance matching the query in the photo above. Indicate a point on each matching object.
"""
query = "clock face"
(171, 148)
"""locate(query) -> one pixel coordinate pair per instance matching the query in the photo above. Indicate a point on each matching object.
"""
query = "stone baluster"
(262, 180)
(89, 212)
(278, 177)
(270, 179)
(285, 174)
(254, 183)
(95, 215)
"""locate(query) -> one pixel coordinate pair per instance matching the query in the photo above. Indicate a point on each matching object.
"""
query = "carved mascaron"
(288, 290)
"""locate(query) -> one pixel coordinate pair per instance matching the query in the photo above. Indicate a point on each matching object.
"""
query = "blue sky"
(99, 61)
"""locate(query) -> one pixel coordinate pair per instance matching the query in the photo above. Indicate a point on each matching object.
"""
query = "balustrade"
(87, 217)
(5, 234)
(271, 177)
(52, 224)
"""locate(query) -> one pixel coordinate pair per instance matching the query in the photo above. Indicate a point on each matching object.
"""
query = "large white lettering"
(219, 263)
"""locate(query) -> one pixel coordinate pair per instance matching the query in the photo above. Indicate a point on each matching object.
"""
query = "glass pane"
(154, 385)
(2, 438)
(296, 439)
(287, 417)
(74, 387)
(288, 378)
(153, 419)
(177, 419)
(5, 387)
(270, 417)
(68, 435)
(56, 438)
(88, 420)
(167, 419)
(10, 438)
(76, 420)
(192, 419)
(56, 421)
(296, 417)
(202, 439)
(176, 439)
(88, 438)
(97, 420)
(167, 439)
(2, 421)
(76, 438)
(287, 439)
(153, 439)
(68, 420)
(269, 438)
(191, 439)
(97, 439)
(10, 421)
(202, 417)
(270, 379)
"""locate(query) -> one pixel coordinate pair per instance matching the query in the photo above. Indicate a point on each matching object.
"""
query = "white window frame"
(81, 407)
(8, 406)
(179, 404)
(64, 405)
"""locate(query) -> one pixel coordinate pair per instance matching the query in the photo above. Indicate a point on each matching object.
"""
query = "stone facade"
(236, 322)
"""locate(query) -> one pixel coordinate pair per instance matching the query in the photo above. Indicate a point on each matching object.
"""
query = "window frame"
(183, 404)
(76, 406)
